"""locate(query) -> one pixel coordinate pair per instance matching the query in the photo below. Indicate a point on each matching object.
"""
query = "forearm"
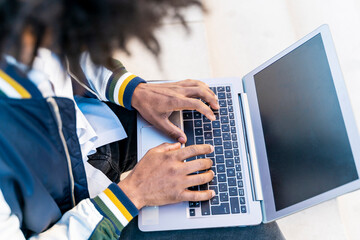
(112, 83)
(102, 217)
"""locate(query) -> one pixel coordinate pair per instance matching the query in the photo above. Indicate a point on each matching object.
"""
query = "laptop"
(285, 139)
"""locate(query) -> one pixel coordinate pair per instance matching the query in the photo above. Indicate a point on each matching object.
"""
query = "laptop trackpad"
(150, 138)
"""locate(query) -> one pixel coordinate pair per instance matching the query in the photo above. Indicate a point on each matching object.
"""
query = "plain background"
(235, 37)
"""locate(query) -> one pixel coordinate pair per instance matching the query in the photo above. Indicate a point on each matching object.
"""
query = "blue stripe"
(124, 199)
(129, 90)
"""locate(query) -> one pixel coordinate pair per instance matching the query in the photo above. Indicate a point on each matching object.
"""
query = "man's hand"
(156, 102)
(162, 177)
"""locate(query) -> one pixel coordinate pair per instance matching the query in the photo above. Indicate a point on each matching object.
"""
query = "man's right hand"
(162, 177)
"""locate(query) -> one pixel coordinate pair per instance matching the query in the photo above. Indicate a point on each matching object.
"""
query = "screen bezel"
(268, 203)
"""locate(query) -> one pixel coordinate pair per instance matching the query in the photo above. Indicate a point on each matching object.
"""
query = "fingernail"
(216, 97)
(213, 193)
(212, 148)
(181, 139)
(213, 118)
(213, 172)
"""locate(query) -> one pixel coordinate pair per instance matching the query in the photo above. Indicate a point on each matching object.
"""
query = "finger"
(204, 93)
(198, 105)
(199, 179)
(197, 165)
(194, 150)
(195, 196)
(171, 130)
(165, 147)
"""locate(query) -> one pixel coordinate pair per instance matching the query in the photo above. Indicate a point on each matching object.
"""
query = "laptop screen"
(306, 141)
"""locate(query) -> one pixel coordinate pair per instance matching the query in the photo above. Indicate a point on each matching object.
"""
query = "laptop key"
(223, 111)
(213, 181)
(205, 208)
(220, 89)
(228, 153)
(232, 122)
(226, 136)
(192, 212)
(239, 175)
(234, 202)
(237, 167)
(220, 159)
(217, 132)
(241, 192)
(222, 103)
(187, 115)
(223, 187)
(205, 119)
(197, 115)
(189, 132)
(207, 127)
(229, 102)
(219, 150)
(198, 132)
(231, 115)
(215, 188)
(220, 168)
(227, 88)
(199, 140)
(230, 172)
(224, 119)
(223, 208)
(215, 200)
(231, 109)
(224, 197)
(221, 95)
(216, 124)
(194, 204)
(242, 200)
(235, 145)
(231, 182)
(227, 145)
(236, 152)
(208, 135)
(225, 128)
(214, 170)
(213, 89)
(243, 209)
(229, 163)
(217, 141)
(198, 123)
(222, 177)
(237, 159)
(240, 184)
(210, 142)
(233, 191)
(234, 137)
(228, 95)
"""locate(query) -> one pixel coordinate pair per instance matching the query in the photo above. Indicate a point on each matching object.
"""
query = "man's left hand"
(156, 102)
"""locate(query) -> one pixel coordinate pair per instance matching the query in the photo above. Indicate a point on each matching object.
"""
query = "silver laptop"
(285, 139)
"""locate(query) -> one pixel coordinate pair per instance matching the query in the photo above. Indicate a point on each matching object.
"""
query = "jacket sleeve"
(102, 217)
(112, 83)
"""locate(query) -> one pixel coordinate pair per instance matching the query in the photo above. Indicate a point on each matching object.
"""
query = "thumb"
(173, 131)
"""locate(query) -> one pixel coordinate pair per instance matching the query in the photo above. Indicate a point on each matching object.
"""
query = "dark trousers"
(119, 157)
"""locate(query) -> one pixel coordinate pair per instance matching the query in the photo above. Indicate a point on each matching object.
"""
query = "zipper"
(54, 106)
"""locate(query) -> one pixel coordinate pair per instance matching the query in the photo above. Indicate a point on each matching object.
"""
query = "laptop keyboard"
(222, 134)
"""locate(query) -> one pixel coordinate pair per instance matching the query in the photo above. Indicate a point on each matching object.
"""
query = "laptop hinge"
(250, 148)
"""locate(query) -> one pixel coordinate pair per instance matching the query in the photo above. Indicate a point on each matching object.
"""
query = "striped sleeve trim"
(11, 87)
(113, 204)
(121, 86)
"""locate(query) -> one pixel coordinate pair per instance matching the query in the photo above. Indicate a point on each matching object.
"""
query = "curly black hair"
(96, 26)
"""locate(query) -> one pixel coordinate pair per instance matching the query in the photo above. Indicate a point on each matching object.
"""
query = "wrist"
(132, 194)
(136, 97)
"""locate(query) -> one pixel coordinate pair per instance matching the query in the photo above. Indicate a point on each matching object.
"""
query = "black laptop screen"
(306, 141)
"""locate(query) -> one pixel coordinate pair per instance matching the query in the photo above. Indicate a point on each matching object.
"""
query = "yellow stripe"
(122, 88)
(118, 204)
(20, 89)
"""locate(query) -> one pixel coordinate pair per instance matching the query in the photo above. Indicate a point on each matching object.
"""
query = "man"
(45, 180)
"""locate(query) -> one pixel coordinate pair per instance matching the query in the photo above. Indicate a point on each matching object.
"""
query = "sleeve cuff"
(121, 86)
(114, 205)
